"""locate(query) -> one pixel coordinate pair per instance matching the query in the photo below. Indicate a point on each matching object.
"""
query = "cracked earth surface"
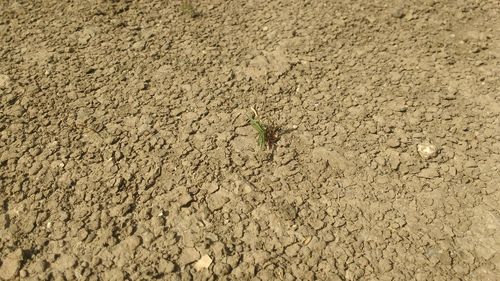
(126, 153)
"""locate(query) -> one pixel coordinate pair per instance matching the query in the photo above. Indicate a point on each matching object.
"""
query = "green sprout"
(261, 129)
(268, 134)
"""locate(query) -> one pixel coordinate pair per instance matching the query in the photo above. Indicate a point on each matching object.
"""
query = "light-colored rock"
(203, 263)
(427, 150)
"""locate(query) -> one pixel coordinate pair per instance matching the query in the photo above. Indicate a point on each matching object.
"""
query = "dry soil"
(126, 152)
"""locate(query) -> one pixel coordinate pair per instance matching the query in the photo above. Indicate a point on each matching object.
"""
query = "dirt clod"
(429, 173)
(188, 255)
(64, 262)
(166, 266)
(217, 200)
(393, 142)
(398, 13)
(11, 264)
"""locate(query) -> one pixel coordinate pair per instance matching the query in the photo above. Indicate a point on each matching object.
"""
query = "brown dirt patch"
(125, 150)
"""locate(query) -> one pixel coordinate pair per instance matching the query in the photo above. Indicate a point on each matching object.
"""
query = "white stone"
(203, 263)
(427, 150)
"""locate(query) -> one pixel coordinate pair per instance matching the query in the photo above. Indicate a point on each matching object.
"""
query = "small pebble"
(427, 150)
(393, 142)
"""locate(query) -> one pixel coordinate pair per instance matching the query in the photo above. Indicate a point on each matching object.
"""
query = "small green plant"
(268, 133)
(187, 7)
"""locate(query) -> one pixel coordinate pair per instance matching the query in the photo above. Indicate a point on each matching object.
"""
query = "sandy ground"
(126, 152)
